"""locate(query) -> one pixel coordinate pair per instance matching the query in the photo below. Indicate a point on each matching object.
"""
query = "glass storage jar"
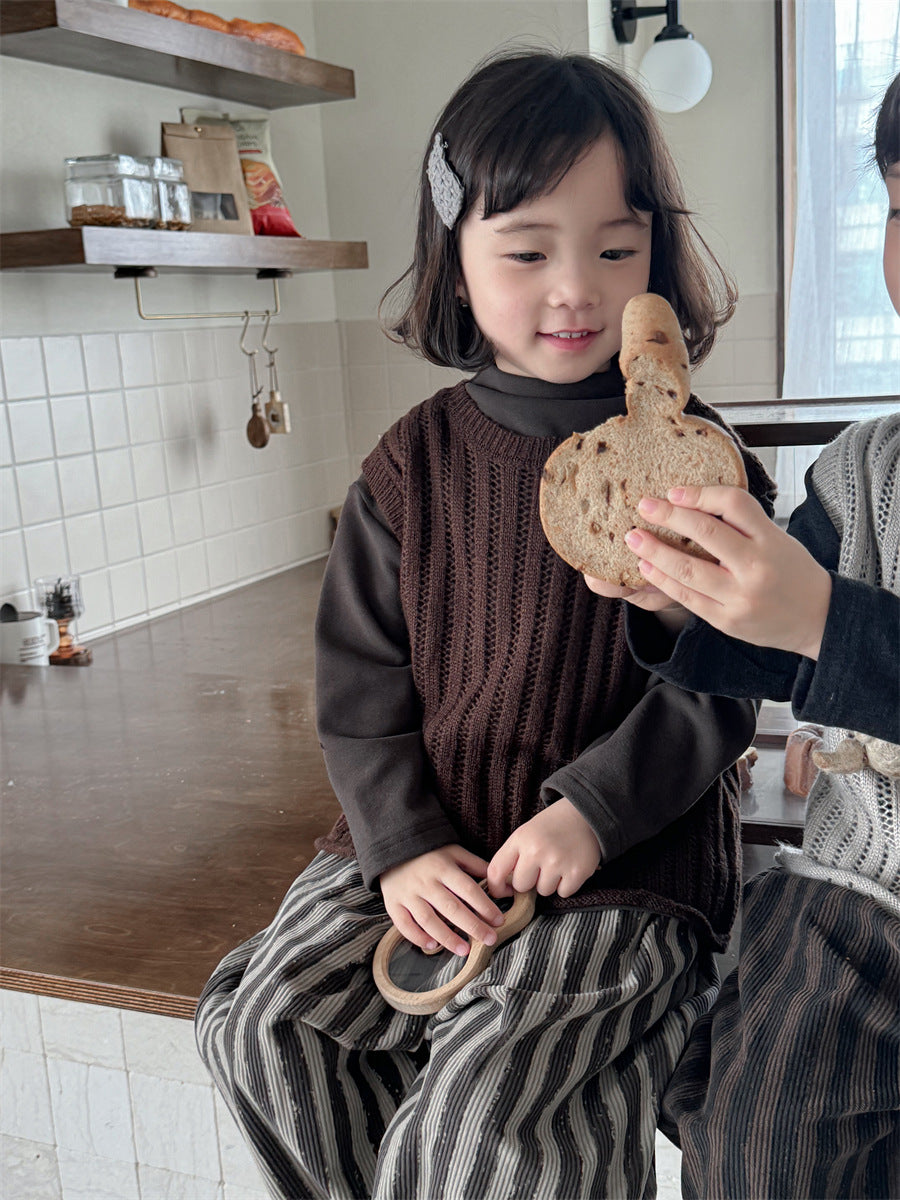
(173, 195)
(110, 189)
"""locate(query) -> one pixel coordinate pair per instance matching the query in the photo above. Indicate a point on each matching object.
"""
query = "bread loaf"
(268, 34)
(161, 8)
(593, 481)
(264, 32)
(208, 20)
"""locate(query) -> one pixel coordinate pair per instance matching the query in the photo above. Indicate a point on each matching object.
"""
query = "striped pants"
(790, 1088)
(540, 1080)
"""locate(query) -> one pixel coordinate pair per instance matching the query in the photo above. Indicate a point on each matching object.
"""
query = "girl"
(791, 1085)
(481, 717)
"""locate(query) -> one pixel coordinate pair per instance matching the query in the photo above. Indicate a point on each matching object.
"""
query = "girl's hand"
(556, 851)
(766, 588)
(421, 895)
(651, 599)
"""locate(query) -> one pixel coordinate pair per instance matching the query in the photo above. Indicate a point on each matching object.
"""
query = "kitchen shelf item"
(173, 196)
(111, 189)
(59, 597)
(103, 38)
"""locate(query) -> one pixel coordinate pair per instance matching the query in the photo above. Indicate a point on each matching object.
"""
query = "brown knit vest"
(517, 664)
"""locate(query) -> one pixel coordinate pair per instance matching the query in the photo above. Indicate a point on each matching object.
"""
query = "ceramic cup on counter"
(27, 638)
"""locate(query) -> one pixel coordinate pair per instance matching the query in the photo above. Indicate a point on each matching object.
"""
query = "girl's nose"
(574, 285)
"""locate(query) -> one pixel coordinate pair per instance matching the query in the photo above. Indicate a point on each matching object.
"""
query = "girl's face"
(548, 280)
(892, 236)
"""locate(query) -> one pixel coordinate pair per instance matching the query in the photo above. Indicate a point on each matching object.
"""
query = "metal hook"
(265, 345)
(244, 350)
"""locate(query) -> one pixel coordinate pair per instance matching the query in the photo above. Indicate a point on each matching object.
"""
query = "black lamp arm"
(625, 17)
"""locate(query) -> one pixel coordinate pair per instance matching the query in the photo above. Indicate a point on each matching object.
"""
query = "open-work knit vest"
(852, 830)
(518, 665)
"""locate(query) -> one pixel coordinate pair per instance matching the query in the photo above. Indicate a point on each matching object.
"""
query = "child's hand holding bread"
(652, 507)
(592, 482)
(761, 585)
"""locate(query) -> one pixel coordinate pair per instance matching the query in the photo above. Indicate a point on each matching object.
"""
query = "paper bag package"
(265, 193)
(212, 169)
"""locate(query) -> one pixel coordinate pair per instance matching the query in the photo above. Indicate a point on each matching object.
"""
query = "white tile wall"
(105, 1104)
(123, 457)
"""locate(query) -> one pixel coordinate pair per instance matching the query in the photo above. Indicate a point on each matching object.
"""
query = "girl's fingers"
(695, 575)
(732, 504)
(716, 536)
(437, 930)
(471, 863)
(702, 605)
(479, 902)
(412, 931)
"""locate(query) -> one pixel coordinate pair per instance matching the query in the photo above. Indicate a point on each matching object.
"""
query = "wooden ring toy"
(422, 1003)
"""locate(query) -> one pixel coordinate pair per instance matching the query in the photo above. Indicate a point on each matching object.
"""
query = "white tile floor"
(105, 1104)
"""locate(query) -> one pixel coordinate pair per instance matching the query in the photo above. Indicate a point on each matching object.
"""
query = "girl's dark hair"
(887, 129)
(513, 129)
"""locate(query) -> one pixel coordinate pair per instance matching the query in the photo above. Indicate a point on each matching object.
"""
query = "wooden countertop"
(158, 804)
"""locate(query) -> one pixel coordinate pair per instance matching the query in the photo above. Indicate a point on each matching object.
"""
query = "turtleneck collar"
(538, 409)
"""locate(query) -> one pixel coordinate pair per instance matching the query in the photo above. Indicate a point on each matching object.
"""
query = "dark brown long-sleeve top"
(466, 676)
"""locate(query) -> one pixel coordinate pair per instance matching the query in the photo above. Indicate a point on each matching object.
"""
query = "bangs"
(545, 123)
(532, 160)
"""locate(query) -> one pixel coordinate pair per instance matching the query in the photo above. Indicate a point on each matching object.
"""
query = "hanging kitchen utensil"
(257, 426)
(277, 412)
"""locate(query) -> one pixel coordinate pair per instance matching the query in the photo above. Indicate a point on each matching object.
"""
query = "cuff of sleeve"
(379, 857)
(861, 628)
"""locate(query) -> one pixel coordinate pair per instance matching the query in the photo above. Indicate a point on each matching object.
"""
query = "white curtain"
(842, 337)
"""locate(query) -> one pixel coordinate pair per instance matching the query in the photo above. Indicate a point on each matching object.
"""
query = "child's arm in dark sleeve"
(368, 712)
(636, 780)
(855, 683)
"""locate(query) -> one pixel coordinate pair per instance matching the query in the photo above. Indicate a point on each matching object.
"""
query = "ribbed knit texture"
(852, 832)
(518, 665)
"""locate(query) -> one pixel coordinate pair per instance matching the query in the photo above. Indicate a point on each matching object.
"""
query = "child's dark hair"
(512, 131)
(887, 129)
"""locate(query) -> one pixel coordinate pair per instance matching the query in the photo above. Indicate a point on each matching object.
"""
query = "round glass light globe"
(677, 73)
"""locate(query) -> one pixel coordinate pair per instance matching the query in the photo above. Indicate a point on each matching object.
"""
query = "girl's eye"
(527, 256)
(893, 214)
(617, 255)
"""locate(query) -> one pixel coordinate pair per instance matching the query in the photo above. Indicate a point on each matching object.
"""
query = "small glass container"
(173, 195)
(110, 189)
(59, 597)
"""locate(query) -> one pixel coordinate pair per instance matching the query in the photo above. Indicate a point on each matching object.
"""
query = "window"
(842, 335)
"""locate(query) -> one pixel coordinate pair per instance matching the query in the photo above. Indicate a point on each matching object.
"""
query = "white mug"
(28, 640)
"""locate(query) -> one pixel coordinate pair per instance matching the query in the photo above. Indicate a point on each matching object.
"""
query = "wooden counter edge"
(110, 995)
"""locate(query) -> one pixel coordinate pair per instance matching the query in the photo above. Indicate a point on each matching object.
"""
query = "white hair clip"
(446, 190)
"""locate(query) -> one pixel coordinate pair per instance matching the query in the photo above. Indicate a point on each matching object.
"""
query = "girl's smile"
(547, 282)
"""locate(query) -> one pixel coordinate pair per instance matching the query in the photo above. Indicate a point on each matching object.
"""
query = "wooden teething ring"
(419, 1003)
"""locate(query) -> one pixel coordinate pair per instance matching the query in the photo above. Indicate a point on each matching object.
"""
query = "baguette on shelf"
(264, 32)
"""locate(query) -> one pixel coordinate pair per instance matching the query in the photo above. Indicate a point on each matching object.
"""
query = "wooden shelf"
(98, 248)
(106, 39)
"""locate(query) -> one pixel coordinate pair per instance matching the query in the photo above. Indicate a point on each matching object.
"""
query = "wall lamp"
(676, 69)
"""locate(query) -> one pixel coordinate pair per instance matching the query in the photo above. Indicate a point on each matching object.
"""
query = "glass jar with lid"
(173, 196)
(110, 189)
